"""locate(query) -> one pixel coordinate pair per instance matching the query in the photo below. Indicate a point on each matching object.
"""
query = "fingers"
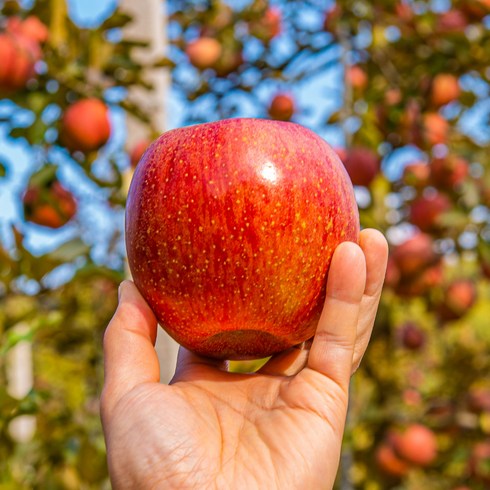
(129, 355)
(287, 363)
(333, 346)
(188, 362)
(375, 249)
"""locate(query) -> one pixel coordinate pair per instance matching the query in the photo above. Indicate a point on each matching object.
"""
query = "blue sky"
(21, 160)
(320, 93)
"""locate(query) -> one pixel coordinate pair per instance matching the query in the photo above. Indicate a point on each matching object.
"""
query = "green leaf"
(69, 251)
(3, 170)
(119, 19)
(44, 176)
(13, 337)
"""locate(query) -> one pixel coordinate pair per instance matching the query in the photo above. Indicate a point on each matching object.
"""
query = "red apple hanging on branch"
(46, 201)
(230, 230)
(204, 52)
(18, 55)
(85, 126)
(282, 107)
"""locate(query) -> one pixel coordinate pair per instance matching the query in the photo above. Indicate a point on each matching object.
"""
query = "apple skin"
(415, 254)
(357, 78)
(204, 52)
(449, 172)
(332, 17)
(480, 461)
(425, 211)
(388, 462)
(452, 22)
(282, 107)
(51, 206)
(417, 445)
(436, 128)
(412, 336)
(459, 297)
(85, 125)
(31, 28)
(269, 26)
(230, 231)
(137, 151)
(445, 89)
(417, 175)
(19, 56)
(362, 165)
(479, 400)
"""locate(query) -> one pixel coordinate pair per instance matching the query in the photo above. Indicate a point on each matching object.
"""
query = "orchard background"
(399, 88)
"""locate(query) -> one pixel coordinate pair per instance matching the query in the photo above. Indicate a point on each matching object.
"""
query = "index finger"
(129, 355)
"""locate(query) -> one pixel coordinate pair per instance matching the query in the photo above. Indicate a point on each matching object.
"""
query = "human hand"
(280, 428)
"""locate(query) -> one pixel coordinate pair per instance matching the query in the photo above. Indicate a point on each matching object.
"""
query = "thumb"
(129, 355)
(333, 346)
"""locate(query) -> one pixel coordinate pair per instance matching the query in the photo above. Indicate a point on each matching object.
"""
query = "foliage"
(60, 300)
(400, 87)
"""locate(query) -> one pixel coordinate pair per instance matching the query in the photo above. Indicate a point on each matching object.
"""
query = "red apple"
(230, 229)
(18, 56)
(448, 172)
(421, 283)
(269, 26)
(332, 17)
(411, 130)
(341, 152)
(356, 77)
(137, 152)
(85, 125)
(436, 128)
(479, 399)
(392, 275)
(404, 12)
(412, 397)
(412, 336)
(476, 10)
(388, 462)
(445, 89)
(416, 175)
(415, 254)
(459, 297)
(32, 28)
(417, 445)
(452, 22)
(204, 52)
(282, 107)
(49, 205)
(362, 165)
(393, 96)
(480, 461)
(426, 211)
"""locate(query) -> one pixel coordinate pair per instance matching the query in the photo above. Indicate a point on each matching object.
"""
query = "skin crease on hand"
(280, 428)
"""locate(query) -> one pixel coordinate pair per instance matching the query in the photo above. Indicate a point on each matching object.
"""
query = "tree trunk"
(149, 25)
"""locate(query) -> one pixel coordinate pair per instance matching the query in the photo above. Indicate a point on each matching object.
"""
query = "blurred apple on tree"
(85, 125)
(362, 165)
(204, 52)
(282, 107)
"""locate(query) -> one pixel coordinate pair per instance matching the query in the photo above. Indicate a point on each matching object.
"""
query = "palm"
(279, 428)
(208, 435)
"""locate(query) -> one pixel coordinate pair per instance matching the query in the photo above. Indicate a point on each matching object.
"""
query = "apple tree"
(399, 88)
(63, 91)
